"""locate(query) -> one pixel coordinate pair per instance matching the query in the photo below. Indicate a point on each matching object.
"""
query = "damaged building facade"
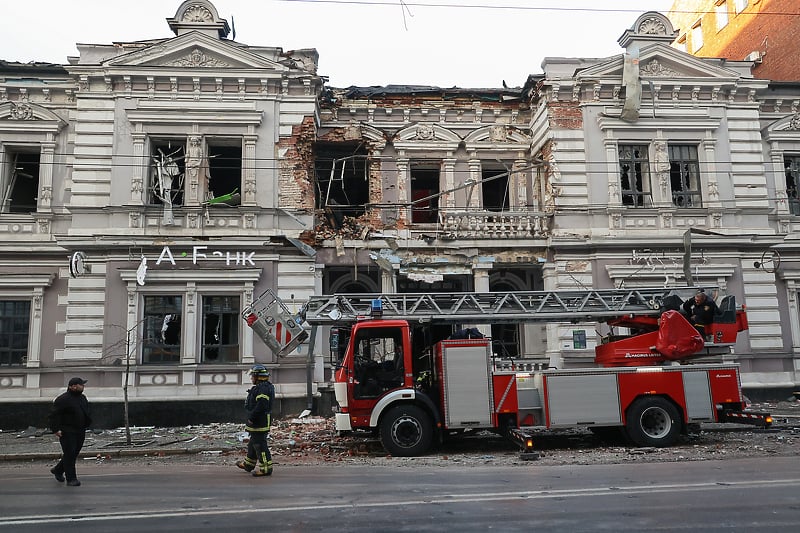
(153, 189)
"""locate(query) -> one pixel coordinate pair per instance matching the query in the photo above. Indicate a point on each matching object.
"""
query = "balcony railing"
(479, 224)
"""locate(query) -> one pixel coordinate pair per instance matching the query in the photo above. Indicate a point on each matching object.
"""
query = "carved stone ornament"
(794, 122)
(197, 13)
(197, 58)
(655, 68)
(425, 132)
(498, 134)
(652, 26)
(21, 111)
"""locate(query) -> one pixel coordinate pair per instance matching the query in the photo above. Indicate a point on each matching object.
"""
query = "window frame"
(427, 213)
(494, 170)
(793, 190)
(697, 36)
(689, 178)
(9, 184)
(231, 317)
(178, 155)
(150, 327)
(13, 333)
(218, 165)
(640, 194)
(721, 15)
(740, 5)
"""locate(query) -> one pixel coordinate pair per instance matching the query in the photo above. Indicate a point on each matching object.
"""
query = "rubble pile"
(312, 440)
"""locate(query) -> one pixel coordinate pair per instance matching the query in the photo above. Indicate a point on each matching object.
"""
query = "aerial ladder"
(653, 313)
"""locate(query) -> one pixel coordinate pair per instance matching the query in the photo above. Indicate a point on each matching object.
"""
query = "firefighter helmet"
(260, 371)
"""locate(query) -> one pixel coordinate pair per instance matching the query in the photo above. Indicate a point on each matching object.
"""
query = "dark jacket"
(702, 314)
(70, 413)
(259, 406)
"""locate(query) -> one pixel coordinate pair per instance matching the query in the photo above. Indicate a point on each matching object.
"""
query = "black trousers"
(258, 450)
(71, 444)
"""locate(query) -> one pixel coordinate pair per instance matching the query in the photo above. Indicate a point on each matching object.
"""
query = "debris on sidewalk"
(307, 439)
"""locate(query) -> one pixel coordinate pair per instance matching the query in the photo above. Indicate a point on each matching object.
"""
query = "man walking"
(259, 417)
(69, 420)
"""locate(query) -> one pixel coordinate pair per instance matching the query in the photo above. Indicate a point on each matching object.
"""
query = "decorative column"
(139, 166)
(612, 174)
(662, 195)
(191, 351)
(519, 183)
(194, 162)
(710, 170)
(388, 281)
(247, 332)
(36, 328)
(375, 194)
(473, 191)
(403, 190)
(448, 167)
(249, 170)
(46, 173)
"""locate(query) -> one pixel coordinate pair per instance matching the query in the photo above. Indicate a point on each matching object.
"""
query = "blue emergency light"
(377, 308)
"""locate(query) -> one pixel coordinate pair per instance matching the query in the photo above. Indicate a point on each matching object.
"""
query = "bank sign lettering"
(199, 253)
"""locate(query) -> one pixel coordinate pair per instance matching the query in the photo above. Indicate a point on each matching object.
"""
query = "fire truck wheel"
(653, 422)
(406, 431)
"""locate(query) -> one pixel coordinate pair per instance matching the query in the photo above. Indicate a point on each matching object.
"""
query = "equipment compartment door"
(698, 396)
(467, 387)
(591, 399)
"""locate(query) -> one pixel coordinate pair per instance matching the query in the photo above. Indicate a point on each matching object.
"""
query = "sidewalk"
(207, 439)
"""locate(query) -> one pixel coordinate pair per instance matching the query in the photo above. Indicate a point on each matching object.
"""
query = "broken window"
(424, 195)
(792, 168)
(634, 175)
(342, 184)
(221, 329)
(167, 171)
(494, 186)
(684, 175)
(162, 329)
(15, 316)
(20, 183)
(225, 171)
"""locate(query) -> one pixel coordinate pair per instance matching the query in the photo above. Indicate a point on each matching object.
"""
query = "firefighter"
(259, 415)
(700, 311)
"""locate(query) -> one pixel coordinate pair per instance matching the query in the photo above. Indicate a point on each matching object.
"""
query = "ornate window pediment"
(24, 113)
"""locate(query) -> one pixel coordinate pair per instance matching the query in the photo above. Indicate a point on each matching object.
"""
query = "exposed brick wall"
(297, 167)
(565, 115)
(759, 28)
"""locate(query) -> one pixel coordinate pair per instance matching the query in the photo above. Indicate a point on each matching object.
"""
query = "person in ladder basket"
(700, 310)
(259, 416)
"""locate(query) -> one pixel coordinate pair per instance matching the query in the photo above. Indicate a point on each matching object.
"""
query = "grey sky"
(366, 42)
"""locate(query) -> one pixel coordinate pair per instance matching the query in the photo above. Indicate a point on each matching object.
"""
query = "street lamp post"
(125, 384)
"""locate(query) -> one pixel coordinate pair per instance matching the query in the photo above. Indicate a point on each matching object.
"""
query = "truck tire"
(406, 431)
(653, 422)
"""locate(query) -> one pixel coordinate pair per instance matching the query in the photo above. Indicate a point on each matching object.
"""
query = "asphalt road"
(758, 494)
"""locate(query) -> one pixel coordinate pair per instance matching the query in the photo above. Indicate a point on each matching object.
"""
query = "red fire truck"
(394, 377)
